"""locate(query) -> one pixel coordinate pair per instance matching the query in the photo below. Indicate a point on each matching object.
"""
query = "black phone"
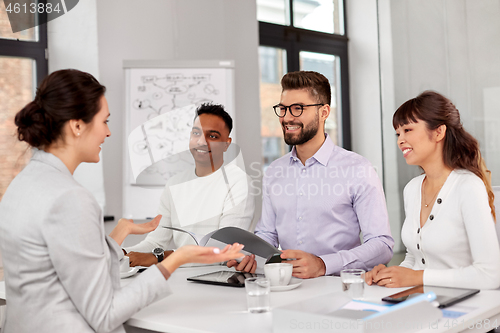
(276, 259)
(404, 295)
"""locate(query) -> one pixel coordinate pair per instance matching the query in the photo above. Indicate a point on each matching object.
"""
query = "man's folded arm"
(365, 256)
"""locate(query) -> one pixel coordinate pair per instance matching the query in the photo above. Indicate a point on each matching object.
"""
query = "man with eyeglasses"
(319, 197)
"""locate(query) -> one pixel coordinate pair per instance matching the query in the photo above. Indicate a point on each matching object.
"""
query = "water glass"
(258, 294)
(353, 282)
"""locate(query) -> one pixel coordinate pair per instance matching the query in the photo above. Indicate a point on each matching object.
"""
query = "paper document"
(229, 235)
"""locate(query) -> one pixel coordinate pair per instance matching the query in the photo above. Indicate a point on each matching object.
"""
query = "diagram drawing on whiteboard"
(161, 105)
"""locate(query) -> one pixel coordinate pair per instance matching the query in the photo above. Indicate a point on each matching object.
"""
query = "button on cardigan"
(458, 247)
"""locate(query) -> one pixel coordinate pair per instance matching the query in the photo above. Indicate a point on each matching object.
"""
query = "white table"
(195, 307)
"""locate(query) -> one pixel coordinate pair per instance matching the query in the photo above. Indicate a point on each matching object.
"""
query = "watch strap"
(160, 255)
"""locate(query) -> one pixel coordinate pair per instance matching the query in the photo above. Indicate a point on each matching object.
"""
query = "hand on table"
(305, 265)
(247, 264)
(371, 274)
(397, 276)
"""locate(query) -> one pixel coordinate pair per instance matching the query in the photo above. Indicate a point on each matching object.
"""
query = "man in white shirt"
(211, 196)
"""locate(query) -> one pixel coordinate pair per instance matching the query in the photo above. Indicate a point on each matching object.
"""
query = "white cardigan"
(458, 245)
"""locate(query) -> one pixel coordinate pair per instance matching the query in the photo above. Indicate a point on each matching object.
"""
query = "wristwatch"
(158, 253)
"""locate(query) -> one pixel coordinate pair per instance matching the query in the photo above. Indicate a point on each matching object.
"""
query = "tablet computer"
(444, 296)
(224, 278)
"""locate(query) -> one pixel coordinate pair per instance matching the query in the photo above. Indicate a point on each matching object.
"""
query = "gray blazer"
(61, 270)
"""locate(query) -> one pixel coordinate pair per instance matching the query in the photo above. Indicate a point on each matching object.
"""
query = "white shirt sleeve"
(160, 237)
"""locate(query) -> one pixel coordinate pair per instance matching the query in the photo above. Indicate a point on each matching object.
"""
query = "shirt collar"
(50, 159)
(322, 155)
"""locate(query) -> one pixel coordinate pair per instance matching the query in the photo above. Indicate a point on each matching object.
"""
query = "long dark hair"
(460, 149)
(62, 96)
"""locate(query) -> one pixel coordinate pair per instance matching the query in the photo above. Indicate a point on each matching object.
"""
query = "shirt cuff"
(333, 263)
(163, 270)
(437, 277)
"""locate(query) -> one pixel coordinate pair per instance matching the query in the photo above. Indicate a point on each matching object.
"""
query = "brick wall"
(16, 90)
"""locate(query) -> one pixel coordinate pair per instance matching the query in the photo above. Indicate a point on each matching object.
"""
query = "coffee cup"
(124, 264)
(279, 274)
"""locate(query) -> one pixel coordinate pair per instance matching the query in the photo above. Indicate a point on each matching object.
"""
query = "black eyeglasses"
(295, 109)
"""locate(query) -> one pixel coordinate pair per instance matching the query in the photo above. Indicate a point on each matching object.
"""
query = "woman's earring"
(78, 134)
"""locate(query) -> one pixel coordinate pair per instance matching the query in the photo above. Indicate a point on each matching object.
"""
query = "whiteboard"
(161, 99)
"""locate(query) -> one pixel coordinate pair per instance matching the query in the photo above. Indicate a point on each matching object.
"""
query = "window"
(22, 65)
(272, 68)
(302, 35)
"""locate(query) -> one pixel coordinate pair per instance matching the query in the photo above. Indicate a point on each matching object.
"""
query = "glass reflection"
(319, 15)
(6, 30)
(329, 66)
(272, 63)
(273, 11)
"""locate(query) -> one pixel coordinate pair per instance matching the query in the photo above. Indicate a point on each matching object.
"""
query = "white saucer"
(129, 273)
(294, 283)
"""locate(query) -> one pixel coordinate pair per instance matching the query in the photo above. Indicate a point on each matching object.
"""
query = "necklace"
(433, 198)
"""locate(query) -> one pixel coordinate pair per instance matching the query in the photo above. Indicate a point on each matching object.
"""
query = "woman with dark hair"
(61, 270)
(449, 229)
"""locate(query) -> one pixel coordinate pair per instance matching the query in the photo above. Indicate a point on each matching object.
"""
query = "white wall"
(451, 46)
(457, 53)
(389, 147)
(370, 69)
(72, 43)
(364, 80)
(176, 30)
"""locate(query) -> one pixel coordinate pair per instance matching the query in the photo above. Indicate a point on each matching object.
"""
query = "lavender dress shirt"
(321, 208)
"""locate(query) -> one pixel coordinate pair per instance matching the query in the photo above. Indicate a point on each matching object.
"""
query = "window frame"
(36, 50)
(294, 40)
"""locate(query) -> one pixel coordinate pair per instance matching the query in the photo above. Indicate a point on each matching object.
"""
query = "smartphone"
(404, 295)
(276, 259)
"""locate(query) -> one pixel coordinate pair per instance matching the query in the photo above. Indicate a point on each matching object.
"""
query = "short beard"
(308, 132)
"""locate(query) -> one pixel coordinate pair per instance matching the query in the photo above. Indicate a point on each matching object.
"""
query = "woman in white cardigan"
(61, 270)
(449, 229)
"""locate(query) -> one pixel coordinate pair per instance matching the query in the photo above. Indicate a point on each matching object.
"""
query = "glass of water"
(353, 282)
(258, 294)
